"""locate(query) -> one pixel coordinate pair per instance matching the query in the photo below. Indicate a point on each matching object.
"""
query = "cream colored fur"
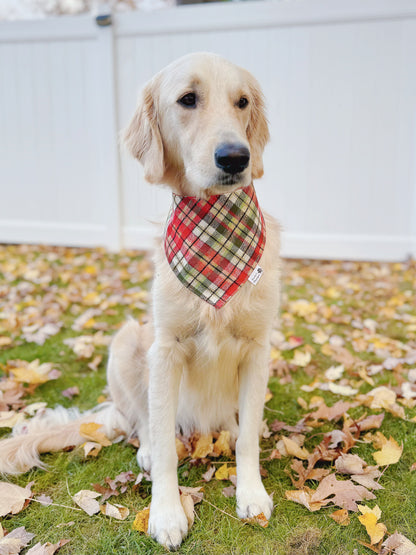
(196, 367)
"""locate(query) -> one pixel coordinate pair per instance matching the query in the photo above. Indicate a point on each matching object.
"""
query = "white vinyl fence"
(340, 81)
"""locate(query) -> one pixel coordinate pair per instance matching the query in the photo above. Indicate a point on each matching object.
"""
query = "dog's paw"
(168, 524)
(251, 502)
(144, 458)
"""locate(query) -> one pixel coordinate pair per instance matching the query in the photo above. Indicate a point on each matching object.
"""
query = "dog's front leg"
(167, 522)
(252, 498)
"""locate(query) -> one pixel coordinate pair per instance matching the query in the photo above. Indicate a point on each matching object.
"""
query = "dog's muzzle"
(232, 158)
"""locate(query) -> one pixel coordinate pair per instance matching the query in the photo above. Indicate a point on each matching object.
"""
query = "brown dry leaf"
(15, 541)
(339, 354)
(188, 507)
(293, 449)
(115, 511)
(376, 530)
(197, 494)
(341, 517)
(70, 392)
(260, 519)
(390, 453)
(91, 448)
(397, 544)
(207, 476)
(342, 493)
(89, 430)
(13, 498)
(203, 447)
(47, 548)
(304, 497)
(141, 521)
(229, 491)
(366, 423)
(331, 413)
(87, 500)
(222, 445)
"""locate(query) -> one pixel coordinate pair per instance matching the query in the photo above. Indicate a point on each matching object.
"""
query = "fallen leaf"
(70, 392)
(188, 507)
(141, 521)
(397, 544)
(87, 500)
(181, 449)
(207, 476)
(390, 453)
(376, 530)
(342, 493)
(15, 541)
(91, 448)
(229, 491)
(293, 449)
(260, 519)
(341, 517)
(203, 447)
(46, 548)
(222, 445)
(89, 430)
(115, 511)
(224, 472)
(13, 498)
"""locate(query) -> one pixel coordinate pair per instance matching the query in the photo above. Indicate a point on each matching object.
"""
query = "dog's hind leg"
(128, 380)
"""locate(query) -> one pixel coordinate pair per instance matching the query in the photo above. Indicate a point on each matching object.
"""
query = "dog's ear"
(257, 130)
(142, 136)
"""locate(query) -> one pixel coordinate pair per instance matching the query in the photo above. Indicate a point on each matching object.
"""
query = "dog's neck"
(214, 245)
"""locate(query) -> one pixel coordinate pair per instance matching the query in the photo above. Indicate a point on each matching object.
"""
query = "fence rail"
(340, 80)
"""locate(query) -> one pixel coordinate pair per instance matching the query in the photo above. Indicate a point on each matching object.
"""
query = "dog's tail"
(54, 430)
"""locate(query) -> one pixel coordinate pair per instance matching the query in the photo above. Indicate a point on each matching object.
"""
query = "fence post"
(107, 110)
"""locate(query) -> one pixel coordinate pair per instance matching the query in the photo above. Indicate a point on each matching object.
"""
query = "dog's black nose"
(232, 158)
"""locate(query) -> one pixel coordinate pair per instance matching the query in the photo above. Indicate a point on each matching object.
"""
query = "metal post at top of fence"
(107, 99)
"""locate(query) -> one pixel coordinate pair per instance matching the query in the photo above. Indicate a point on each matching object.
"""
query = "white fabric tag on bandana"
(255, 275)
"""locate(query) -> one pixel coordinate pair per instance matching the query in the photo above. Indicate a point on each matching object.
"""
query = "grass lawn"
(358, 315)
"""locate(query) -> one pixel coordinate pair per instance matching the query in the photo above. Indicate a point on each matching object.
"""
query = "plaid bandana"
(214, 245)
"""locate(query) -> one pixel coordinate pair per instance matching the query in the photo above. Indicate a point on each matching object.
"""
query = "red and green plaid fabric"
(214, 245)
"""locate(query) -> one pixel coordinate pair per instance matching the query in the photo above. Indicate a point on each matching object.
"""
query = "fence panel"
(340, 83)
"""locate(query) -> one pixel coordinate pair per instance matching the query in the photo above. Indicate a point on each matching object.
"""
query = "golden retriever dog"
(200, 129)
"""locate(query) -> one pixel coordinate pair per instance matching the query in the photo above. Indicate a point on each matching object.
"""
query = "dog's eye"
(242, 103)
(188, 100)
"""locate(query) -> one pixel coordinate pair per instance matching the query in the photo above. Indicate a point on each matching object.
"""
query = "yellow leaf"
(222, 445)
(181, 450)
(89, 430)
(369, 518)
(141, 522)
(294, 450)
(223, 472)
(203, 447)
(390, 453)
(5, 341)
(27, 375)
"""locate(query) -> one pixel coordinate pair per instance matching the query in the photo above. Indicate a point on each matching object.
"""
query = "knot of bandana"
(214, 245)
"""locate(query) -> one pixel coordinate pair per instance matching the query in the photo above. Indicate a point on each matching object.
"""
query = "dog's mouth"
(227, 179)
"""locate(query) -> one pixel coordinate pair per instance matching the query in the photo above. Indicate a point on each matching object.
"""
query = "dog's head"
(200, 127)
